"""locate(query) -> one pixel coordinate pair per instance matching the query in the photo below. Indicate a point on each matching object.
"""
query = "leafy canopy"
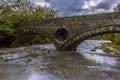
(117, 9)
(12, 11)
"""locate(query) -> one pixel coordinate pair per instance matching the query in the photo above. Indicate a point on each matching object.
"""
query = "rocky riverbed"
(44, 62)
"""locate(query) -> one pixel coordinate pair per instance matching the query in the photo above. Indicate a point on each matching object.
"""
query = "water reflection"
(38, 77)
(35, 77)
(42, 76)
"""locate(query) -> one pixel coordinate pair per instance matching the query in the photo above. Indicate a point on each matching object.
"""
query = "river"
(88, 62)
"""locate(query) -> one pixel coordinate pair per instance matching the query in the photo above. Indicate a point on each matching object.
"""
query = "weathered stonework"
(77, 28)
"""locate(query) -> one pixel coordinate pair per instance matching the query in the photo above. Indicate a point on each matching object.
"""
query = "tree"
(117, 9)
(12, 11)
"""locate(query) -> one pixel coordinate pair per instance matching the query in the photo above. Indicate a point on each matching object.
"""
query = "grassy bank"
(110, 47)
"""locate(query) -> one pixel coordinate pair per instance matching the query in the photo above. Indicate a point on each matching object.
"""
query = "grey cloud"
(75, 7)
(67, 7)
(107, 4)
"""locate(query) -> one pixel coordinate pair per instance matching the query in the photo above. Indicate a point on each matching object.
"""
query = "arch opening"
(27, 38)
(73, 43)
(61, 34)
(100, 43)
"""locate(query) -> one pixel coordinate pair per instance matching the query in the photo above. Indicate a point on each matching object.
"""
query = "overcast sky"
(78, 7)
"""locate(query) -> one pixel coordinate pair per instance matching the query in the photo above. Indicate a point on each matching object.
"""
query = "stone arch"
(31, 30)
(72, 43)
(25, 35)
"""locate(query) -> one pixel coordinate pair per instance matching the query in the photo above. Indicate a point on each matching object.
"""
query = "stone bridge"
(68, 32)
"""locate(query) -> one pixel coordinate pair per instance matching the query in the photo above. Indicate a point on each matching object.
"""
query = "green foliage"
(109, 47)
(12, 11)
(7, 29)
(117, 9)
(105, 37)
(40, 40)
(114, 37)
(117, 39)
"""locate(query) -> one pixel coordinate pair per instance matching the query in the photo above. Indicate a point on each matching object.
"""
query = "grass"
(110, 47)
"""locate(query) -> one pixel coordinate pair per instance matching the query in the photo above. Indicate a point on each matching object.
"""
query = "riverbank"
(110, 47)
(88, 46)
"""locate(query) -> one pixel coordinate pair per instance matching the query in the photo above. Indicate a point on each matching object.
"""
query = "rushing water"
(50, 64)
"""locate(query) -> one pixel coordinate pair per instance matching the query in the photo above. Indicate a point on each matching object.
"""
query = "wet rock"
(14, 56)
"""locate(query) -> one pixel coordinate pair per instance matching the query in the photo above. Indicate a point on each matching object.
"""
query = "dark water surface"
(82, 64)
